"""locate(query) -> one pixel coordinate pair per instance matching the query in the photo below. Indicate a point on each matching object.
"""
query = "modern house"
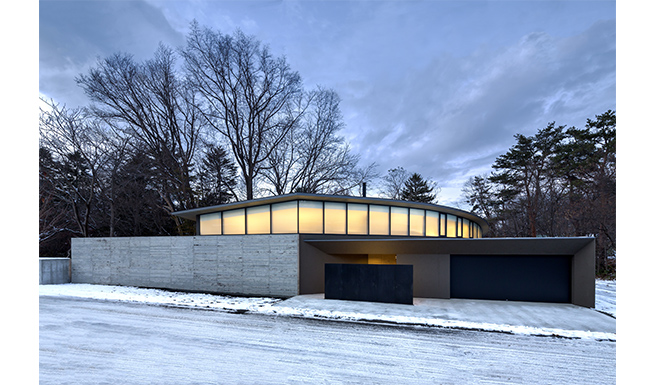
(306, 243)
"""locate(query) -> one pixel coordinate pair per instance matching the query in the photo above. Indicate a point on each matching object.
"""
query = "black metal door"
(372, 283)
(508, 277)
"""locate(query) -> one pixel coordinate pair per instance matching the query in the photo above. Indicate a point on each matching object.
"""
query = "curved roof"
(192, 213)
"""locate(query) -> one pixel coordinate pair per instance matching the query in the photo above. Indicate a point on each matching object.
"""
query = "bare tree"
(248, 96)
(71, 157)
(314, 158)
(53, 211)
(157, 109)
(117, 152)
(353, 180)
(394, 182)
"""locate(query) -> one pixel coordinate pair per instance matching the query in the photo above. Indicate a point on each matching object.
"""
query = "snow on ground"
(606, 297)
(109, 342)
(605, 302)
(156, 296)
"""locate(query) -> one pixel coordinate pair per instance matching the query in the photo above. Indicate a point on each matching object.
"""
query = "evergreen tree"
(558, 183)
(217, 177)
(417, 189)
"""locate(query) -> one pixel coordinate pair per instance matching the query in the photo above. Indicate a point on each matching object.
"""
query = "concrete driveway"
(561, 319)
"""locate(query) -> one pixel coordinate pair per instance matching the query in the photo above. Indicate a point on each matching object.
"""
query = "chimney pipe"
(364, 189)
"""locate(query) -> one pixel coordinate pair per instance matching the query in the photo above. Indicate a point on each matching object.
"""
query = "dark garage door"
(514, 278)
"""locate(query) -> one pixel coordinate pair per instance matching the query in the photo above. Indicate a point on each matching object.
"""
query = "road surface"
(101, 342)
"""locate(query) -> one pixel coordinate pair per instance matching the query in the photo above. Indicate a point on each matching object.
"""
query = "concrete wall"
(258, 265)
(54, 271)
(431, 274)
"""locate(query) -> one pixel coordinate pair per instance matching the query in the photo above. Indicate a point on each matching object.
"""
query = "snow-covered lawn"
(606, 296)
(158, 297)
(605, 302)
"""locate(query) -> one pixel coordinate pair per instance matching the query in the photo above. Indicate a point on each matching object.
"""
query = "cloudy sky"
(437, 87)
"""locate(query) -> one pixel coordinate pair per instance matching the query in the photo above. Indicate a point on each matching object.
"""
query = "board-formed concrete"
(252, 265)
(54, 271)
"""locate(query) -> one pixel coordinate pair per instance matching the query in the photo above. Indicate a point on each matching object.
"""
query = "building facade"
(279, 246)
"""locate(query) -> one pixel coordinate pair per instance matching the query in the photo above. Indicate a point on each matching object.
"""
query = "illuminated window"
(378, 220)
(451, 226)
(310, 217)
(416, 222)
(431, 223)
(234, 221)
(258, 219)
(318, 217)
(442, 225)
(335, 218)
(357, 218)
(210, 224)
(399, 221)
(285, 217)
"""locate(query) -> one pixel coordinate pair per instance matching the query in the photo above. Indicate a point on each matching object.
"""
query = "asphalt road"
(99, 342)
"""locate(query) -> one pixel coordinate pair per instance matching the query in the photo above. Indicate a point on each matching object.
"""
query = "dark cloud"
(439, 88)
(451, 118)
(74, 34)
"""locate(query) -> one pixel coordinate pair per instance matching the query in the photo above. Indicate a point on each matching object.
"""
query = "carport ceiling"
(480, 246)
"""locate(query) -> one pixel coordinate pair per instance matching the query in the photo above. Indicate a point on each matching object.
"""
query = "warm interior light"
(431, 223)
(399, 221)
(234, 221)
(357, 218)
(335, 218)
(451, 226)
(317, 217)
(442, 225)
(381, 259)
(210, 224)
(378, 220)
(259, 220)
(285, 217)
(310, 217)
(416, 222)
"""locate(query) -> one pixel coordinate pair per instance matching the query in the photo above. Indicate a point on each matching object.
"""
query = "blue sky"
(437, 87)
